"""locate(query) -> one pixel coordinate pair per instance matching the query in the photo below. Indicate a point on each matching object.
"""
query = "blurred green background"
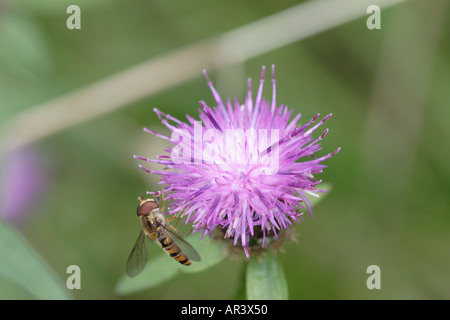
(388, 90)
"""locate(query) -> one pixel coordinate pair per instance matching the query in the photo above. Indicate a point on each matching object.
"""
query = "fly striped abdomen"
(173, 250)
(155, 227)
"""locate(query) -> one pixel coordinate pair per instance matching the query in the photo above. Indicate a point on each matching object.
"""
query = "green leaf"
(160, 269)
(211, 253)
(315, 200)
(22, 270)
(324, 186)
(265, 279)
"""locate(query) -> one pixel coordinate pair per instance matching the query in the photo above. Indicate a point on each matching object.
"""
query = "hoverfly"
(155, 226)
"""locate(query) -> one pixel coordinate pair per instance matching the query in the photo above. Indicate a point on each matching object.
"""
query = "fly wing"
(138, 257)
(187, 249)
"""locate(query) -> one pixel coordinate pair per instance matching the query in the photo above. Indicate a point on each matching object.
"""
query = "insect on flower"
(155, 226)
(245, 169)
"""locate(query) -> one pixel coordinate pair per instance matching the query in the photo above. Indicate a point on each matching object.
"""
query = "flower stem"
(265, 279)
(239, 293)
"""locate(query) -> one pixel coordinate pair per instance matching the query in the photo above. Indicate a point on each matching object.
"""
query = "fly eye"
(146, 207)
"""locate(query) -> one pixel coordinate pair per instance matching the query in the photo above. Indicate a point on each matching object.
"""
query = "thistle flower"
(24, 179)
(244, 169)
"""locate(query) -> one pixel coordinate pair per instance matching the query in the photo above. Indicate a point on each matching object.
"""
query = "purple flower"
(25, 178)
(244, 169)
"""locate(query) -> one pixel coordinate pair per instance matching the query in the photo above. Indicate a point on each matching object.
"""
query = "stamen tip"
(336, 151)
(206, 75)
(324, 133)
